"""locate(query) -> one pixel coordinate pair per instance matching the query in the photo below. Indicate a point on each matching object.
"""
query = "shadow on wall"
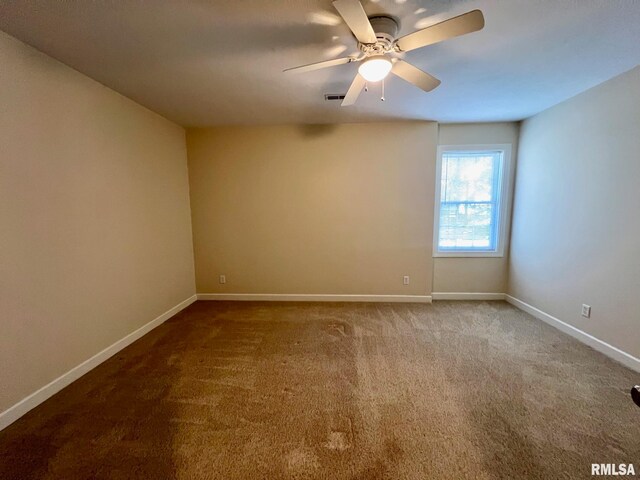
(317, 130)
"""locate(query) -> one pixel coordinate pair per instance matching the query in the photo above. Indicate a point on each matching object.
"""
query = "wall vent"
(334, 96)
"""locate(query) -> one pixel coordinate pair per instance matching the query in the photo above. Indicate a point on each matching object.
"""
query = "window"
(471, 200)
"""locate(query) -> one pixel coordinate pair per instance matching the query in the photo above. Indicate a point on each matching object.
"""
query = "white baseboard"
(467, 296)
(595, 343)
(277, 297)
(36, 398)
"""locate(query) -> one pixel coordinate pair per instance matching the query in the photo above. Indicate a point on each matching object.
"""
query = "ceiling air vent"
(334, 96)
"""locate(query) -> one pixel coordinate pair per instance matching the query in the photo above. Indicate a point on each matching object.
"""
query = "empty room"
(317, 239)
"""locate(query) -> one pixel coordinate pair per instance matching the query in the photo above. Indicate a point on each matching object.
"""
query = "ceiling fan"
(377, 43)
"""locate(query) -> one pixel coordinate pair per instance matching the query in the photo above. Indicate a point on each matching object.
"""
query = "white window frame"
(504, 200)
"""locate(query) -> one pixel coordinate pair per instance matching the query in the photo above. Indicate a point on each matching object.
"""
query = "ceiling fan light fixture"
(376, 37)
(375, 68)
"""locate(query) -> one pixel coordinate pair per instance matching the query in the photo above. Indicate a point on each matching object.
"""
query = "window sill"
(468, 254)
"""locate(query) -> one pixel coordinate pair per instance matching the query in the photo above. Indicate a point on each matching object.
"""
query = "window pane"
(466, 225)
(469, 201)
(468, 176)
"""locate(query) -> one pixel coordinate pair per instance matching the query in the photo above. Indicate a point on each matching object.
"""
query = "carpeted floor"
(336, 391)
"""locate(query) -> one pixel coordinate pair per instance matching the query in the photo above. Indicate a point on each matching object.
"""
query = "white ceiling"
(212, 62)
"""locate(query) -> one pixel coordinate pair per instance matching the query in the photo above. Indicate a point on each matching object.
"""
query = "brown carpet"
(347, 391)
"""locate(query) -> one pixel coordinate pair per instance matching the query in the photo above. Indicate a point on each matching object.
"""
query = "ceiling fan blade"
(454, 27)
(414, 75)
(319, 65)
(356, 19)
(354, 91)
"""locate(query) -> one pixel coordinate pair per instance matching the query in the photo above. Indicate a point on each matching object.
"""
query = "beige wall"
(341, 209)
(576, 223)
(465, 274)
(95, 238)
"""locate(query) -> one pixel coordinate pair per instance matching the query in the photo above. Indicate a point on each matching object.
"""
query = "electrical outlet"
(223, 279)
(405, 280)
(586, 310)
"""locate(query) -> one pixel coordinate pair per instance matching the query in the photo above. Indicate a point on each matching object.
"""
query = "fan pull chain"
(366, 87)
(382, 97)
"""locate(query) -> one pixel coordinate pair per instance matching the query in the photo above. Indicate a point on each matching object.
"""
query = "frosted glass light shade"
(375, 68)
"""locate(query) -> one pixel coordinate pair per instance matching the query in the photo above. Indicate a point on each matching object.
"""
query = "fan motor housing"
(386, 29)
